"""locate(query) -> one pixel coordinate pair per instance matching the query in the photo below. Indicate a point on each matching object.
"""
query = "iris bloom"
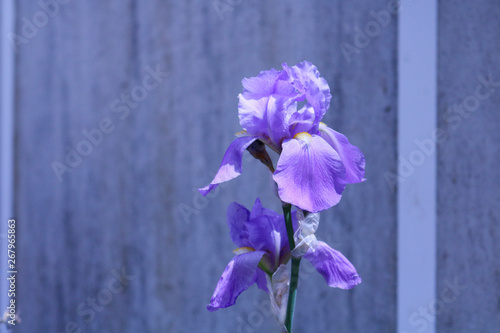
(283, 109)
(263, 248)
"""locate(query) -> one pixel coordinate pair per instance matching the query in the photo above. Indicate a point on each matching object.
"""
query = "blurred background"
(115, 112)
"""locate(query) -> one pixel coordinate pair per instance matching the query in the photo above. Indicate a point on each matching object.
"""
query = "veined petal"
(335, 268)
(309, 174)
(352, 157)
(231, 163)
(239, 275)
(307, 80)
(237, 218)
(261, 85)
(264, 232)
(279, 110)
(252, 115)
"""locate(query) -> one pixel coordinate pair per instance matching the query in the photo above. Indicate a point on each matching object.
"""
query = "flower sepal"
(304, 236)
(278, 286)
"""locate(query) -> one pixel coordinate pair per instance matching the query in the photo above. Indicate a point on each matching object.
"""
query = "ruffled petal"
(352, 157)
(239, 275)
(261, 85)
(335, 268)
(231, 163)
(307, 80)
(309, 174)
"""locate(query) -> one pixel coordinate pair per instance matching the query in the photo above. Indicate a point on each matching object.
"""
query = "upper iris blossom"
(263, 248)
(284, 109)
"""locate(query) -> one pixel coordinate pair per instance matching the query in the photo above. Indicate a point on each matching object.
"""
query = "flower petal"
(352, 157)
(261, 85)
(307, 80)
(335, 268)
(261, 280)
(252, 115)
(309, 174)
(267, 232)
(231, 163)
(237, 218)
(239, 275)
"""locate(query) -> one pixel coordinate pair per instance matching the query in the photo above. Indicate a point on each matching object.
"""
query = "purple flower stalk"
(263, 247)
(283, 109)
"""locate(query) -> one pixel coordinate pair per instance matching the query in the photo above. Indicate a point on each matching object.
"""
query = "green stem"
(294, 279)
(265, 270)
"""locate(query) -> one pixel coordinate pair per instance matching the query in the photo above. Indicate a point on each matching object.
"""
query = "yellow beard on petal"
(244, 249)
(303, 136)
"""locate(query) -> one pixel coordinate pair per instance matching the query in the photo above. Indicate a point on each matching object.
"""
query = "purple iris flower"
(284, 109)
(262, 247)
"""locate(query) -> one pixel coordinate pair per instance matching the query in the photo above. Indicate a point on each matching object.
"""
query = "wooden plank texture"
(130, 206)
(468, 272)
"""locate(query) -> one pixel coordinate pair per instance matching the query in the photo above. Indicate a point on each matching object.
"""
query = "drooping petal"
(352, 157)
(309, 174)
(231, 163)
(239, 275)
(335, 268)
(307, 80)
(261, 280)
(237, 218)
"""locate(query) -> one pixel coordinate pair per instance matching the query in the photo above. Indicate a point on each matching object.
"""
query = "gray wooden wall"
(468, 173)
(130, 206)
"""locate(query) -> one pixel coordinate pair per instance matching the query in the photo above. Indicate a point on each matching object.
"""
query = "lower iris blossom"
(283, 110)
(263, 250)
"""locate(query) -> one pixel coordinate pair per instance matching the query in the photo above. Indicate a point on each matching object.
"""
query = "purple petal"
(307, 80)
(231, 163)
(238, 276)
(335, 268)
(258, 210)
(261, 280)
(237, 218)
(352, 157)
(302, 120)
(279, 110)
(263, 236)
(252, 115)
(267, 116)
(267, 232)
(309, 174)
(262, 85)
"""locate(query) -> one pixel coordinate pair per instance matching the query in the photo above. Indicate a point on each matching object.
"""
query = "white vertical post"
(417, 118)
(7, 12)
